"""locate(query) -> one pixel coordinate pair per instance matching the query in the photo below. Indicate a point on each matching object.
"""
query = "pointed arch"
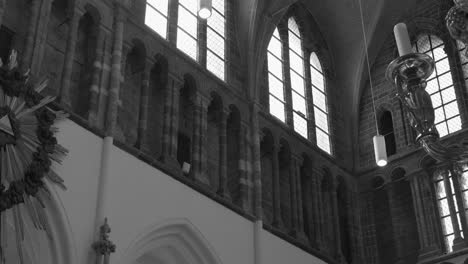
(172, 241)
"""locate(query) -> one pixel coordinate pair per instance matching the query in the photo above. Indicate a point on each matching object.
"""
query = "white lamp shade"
(380, 151)
(186, 168)
(204, 10)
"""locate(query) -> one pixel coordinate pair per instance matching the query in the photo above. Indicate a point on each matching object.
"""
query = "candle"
(402, 39)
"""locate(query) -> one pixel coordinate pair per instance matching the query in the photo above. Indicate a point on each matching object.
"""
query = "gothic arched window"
(275, 77)
(386, 130)
(215, 40)
(156, 16)
(440, 85)
(187, 28)
(319, 98)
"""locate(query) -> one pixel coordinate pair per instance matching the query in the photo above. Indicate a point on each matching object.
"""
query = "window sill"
(445, 257)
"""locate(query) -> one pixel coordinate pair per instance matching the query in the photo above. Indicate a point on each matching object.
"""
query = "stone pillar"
(64, 93)
(300, 234)
(143, 116)
(40, 36)
(277, 219)
(222, 188)
(171, 124)
(199, 128)
(424, 212)
(204, 140)
(243, 163)
(2, 10)
(94, 89)
(390, 189)
(318, 212)
(112, 106)
(256, 161)
(293, 195)
(336, 220)
(27, 56)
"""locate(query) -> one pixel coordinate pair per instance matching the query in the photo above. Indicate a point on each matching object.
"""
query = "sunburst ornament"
(27, 149)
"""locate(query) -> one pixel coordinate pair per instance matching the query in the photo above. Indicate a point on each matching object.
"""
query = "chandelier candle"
(402, 39)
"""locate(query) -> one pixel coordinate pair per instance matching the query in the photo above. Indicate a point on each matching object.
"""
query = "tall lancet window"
(275, 77)
(156, 16)
(319, 98)
(187, 28)
(296, 69)
(440, 85)
(215, 40)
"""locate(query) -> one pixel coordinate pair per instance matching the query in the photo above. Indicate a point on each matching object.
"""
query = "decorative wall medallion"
(27, 147)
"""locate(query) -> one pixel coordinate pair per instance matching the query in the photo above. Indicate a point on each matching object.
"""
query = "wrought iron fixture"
(456, 22)
(409, 73)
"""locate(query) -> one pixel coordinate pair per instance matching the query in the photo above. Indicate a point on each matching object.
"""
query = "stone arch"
(158, 87)
(233, 140)
(267, 146)
(398, 174)
(214, 116)
(377, 182)
(130, 93)
(187, 115)
(172, 241)
(386, 126)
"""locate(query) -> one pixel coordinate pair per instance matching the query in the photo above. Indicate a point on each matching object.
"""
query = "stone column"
(318, 212)
(423, 206)
(64, 93)
(222, 188)
(171, 123)
(199, 128)
(41, 36)
(390, 189)
(2, 10)
(27, 56)
(256, 161)
(143, 116)
(243, 180)
(205, 102)
(94, 89)
(300, 234)
(111, 115)
(336, 220)
(293, 195)
(277, 219)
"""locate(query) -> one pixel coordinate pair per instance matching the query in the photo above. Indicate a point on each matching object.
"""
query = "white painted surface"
(142, 198)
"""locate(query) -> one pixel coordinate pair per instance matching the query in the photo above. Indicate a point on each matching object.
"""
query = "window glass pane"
(432, 86)
(449, 242)
(188, 22)
(451, 109)
(314, 62)
(439, 53)
(277, 108)
(156, 21)
(187, 44)
(439, 115)
(443, 207)
(436, 100)
(300, 125)
(296, 63)
(190, 5)
(215, 43)
(215, 65)
(297, 83)
(440, 190)
(454, 124)
(442, 66)
(319, 99)
(448, 95)
(218, 5)
(442, 129)
(317, 79)
(447, 225)
(216, 22)
(275, 47)
(299, 104)
(275, 66)
(435, 41)
(321, 119)
(160, 5)
(445, 80)
(276, 87)
(323, 140)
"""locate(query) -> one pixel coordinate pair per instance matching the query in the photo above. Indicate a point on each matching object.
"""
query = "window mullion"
(456, 173)
(451, 204)
(287, 76)
(308, 92)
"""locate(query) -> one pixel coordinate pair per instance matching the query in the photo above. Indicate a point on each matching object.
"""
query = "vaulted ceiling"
(340, 24)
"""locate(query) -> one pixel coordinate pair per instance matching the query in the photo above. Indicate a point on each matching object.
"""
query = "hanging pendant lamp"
(205, 8)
